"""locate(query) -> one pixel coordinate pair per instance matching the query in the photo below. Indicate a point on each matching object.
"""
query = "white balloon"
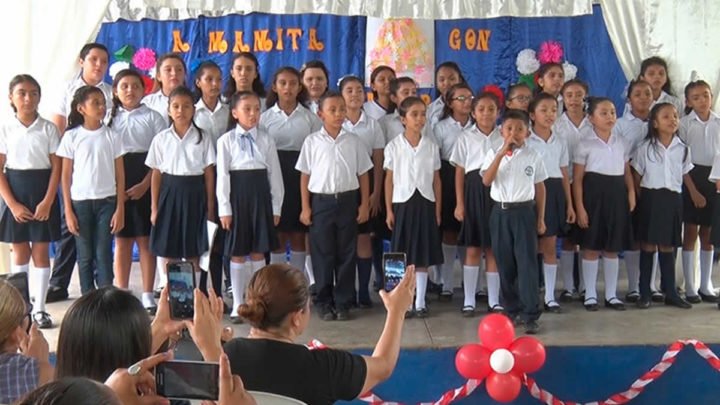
(502, 361)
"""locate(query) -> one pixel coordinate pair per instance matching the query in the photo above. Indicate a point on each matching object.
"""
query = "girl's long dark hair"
(653, 135)
(543, 70)
(75, 119)
(23, 78)
(692, 85)
(182, 91)
(657, 61)
(116, 103)
(450, 65)
(207, 65)
(257, 84)
(272, 96)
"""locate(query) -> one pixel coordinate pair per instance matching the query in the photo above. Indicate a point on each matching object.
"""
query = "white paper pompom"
(526, 62)
(116, 67)
(569, 70)
(153, 71)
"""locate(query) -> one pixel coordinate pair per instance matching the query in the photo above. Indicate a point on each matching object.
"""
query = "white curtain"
(429, 9)
(684, 32)
(43, 38)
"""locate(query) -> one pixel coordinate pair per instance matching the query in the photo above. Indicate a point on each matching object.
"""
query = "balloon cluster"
(499, 358)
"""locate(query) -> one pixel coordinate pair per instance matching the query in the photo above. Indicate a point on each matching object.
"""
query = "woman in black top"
(277, 305)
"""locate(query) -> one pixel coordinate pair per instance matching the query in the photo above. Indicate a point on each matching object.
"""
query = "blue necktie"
(246, 140)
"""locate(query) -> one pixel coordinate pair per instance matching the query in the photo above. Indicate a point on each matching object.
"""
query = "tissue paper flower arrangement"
(528, 62)
(143, 60)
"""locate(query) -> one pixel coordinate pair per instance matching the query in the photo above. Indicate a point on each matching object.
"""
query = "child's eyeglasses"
(463, 98)
(522, 99)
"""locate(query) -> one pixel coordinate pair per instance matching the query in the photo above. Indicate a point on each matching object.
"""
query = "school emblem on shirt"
(529, 171)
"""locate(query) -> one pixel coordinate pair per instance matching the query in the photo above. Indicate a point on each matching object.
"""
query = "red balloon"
(503, 387)
(529, 354)
(496, 331)
(473, 361)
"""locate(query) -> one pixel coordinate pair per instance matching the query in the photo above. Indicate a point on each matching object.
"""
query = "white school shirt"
(93, 154)
(434, 111)
(137, 128)
(472, 146)
(63, 108)
(715, 170)
(516, 176)
(446, 133)
(333, 164)
(369, 131)
(603, 158)
(313, 106)
(662, 167)
(554, 153)
(171, 154)
(213, 122)
(289, 131)
(237, 153)
(664, 98)
(392, 127)
(28, 148)
(632, 129)
(413, 168)
(160, 103)
(565, 128)
(374, 110)
(703, 138)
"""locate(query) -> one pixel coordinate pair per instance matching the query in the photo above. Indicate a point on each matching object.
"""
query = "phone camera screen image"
(394, 270)
(187, 380)
(181, 285)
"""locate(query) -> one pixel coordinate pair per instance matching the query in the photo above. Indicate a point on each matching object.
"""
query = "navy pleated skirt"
(292, 204)
(180, 228)
(659, 217)
(449, 200)
(555, 208)
(137, 212)
(416, 232)
(692, 214)
(475, 229)
(606, 203)
(252, 229)
(29, 188)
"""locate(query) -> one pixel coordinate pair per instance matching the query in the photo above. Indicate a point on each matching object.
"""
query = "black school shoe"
(643, 303)
(342, 315)
(532, 327)
(327, 314)
(677, 301)
(708, 297)
(657, 296)
(43, 320)
(615, 303)
(56, 294)
(693, 299)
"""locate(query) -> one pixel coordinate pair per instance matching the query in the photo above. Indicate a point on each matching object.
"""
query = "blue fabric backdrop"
(584, 38)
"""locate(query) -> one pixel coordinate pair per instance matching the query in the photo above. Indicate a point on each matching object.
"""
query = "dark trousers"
(333, 246)
(514, 243)
(65, 252)
(218, 262)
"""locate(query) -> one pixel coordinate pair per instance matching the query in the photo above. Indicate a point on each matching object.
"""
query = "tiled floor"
(445, 327)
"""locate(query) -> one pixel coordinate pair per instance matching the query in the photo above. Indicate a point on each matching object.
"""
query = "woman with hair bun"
(277, 306)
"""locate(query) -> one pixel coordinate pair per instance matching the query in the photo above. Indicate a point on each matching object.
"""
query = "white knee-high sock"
(470, 276)
(550, 275)
(581, 275)
(39, 288)
(688, 261)
(238, 280)
(297, 259)
(19, 268)
(162, 271)
(256, 265)
(421, 278)
(653, 275)
(448, 267)
(610, 271)
(567, 260)
(590, 271)
(706, 263)
(632, 265)
(309, 269)
(278, 258)
(493, 282)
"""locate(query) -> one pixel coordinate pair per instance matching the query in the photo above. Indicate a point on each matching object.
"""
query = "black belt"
(337, 196)
(513, 205)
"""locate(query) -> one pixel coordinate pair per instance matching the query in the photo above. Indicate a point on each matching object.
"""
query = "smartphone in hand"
(187, 380)
(394, 265)
(181, 286)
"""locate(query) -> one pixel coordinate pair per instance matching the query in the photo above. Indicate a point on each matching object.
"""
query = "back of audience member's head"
(12, 312)
(102, 331)
(274, 292)
(71, 391)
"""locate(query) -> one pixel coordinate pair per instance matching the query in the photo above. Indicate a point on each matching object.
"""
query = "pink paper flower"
(550, 52)
(144, 59)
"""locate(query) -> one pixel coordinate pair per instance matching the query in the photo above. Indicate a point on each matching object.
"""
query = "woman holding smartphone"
(277, 306)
